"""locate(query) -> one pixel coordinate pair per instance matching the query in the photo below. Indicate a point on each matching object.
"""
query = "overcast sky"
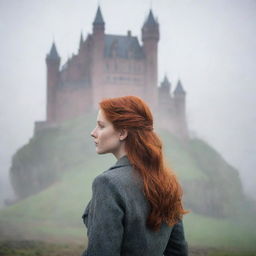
(208, 44)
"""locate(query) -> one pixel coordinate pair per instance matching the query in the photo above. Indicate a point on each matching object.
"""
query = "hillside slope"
(61, 164)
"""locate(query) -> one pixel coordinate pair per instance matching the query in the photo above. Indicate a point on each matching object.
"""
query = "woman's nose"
(93, 133)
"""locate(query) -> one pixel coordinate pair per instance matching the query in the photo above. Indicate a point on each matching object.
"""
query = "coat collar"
(122, 161)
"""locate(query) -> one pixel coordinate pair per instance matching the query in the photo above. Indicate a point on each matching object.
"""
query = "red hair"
(144, 151)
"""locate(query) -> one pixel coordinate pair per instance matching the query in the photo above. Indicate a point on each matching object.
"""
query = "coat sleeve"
(177, 245)
(105, 219)
(85, 215)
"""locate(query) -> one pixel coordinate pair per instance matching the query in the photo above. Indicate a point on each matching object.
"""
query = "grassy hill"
(64, 158)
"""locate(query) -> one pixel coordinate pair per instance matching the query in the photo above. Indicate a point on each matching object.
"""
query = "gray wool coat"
(116, 218)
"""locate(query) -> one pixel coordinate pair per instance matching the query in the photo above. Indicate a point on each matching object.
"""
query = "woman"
(136, 206)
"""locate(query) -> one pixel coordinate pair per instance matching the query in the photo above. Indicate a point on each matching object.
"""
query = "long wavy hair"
(144, 151)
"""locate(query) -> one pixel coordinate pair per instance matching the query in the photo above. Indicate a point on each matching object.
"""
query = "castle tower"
(164, 91)
(97, 58)
(150, 38)
(180, 109)
(53, 75)
(81, 42)
(165, 106)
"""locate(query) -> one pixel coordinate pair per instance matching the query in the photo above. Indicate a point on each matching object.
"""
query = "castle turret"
(98, 55)
(150, 38)
(164, 100)
(98, 23)
(81, 41)
(179, 91)
(165, 105)
(53, 74)
(180, 109)
(165, 86)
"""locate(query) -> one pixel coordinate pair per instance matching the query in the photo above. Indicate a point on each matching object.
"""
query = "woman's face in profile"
(106, 138)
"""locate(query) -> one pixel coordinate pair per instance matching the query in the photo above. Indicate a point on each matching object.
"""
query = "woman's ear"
(123, 134)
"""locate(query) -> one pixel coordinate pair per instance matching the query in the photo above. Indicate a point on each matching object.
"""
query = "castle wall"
(124, 77)
(119, 90)
(73, 102)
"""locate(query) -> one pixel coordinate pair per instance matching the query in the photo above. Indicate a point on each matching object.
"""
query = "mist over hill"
(211, 186)
(52, 176)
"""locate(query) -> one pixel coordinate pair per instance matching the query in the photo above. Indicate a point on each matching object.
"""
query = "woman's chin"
(98, 151)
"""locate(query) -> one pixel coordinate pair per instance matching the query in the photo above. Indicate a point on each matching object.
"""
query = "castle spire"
(81, 40)
(98, 18)
(53, 76)
(166, 83)
(150, 29)
(53, 55)
(150, 19)
(165, 86)
(179, 89)
(98, 24)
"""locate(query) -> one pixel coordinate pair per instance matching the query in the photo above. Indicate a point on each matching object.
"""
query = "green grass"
(179, 158)
(55, 215)
(224, 233)
(232, 253)
(38, 248)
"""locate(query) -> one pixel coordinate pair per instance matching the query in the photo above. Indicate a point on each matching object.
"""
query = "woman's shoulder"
(115, 176)
(121, 175)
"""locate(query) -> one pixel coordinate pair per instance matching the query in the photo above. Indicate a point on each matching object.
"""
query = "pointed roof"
(53, 55)
(98, 18)
(122, 45)
(179, 89)
(166, 82)
(81, 39)
(150, 19)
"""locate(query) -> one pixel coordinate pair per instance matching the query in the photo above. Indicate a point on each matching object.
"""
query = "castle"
(111, 66)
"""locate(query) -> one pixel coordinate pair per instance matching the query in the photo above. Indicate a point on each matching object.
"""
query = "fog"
(208, 44)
